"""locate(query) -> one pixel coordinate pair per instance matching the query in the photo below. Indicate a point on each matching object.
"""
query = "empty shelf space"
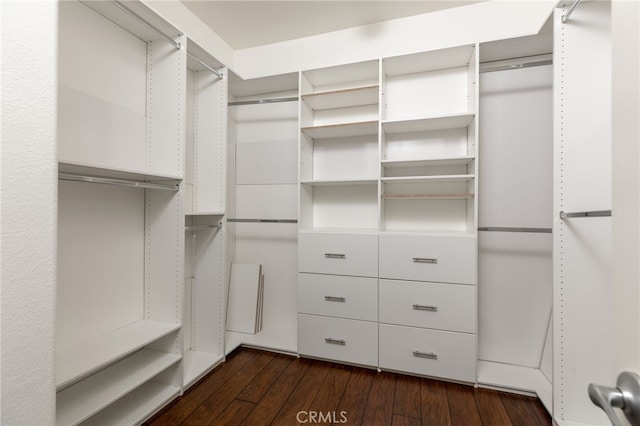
(454, 121)
(74, 363)
(357, 96)
(136, 406)
(196, 364)
(458, 161)
(339, 182)
(84, 399)
(342, 130)
(426, 179)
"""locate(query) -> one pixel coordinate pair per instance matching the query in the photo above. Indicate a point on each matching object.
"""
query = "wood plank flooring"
(261, 388)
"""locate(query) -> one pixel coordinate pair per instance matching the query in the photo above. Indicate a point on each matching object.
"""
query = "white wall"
(481, 22)
(28, 212)
(626, 185)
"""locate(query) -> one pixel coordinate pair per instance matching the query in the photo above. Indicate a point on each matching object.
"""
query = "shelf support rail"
(262, 220)
(204, 64)
(514, 229)
(121, 182)
(146, 23)
(263, 101)
(598, 213)
(202, 227)
(566, 16)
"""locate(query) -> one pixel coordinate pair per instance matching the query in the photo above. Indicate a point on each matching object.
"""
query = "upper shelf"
(425, 179)
(456, 161)
(454, 121)
(325, 182)
(357, 96)
(342, 130)
(89, 173)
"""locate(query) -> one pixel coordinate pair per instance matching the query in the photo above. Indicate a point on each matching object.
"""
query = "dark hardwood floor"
(261, 388)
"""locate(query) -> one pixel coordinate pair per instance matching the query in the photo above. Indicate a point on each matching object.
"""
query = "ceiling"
(243, 24)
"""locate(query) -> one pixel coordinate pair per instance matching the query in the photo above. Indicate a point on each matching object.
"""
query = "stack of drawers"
(428, 305)
(338, 297)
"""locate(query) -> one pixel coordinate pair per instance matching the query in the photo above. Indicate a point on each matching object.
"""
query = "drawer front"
(338, 254)
(338, 296)
(430, 305)
(428, 258)
(338, 339)
(434, 353)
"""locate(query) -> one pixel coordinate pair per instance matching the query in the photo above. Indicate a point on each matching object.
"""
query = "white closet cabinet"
(205, 242)
(120, 245)
(428, 213)
(388, 213)
(338, 221)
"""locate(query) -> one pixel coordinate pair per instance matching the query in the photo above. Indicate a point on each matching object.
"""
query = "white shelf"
(342, 130)
(84, 399)
(278, 341)
(85, 169)
(339, 182)
(205, 214)
(74, 363)
(515, 377)
(357, 96)
(443, 196)
(341, 231)
(196, 364)
(428, 179)
(428, 61)
(454, 121)
(436, 162)
(137, 406)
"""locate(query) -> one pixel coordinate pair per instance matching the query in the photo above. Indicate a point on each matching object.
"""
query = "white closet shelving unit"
(428, 216)
(263, 201)
(205, 241)
(120, 219)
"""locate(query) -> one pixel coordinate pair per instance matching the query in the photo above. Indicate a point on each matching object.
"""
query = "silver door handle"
(424, 260)
(335, 299)
(335, 256)
(626, 396)
(340, 342)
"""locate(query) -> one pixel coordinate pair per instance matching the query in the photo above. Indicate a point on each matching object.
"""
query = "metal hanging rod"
(263, 101)
(146, 23)
(204, 64)
(263, 220)
(120, 182)
(566, 16)
(202, 227)
(516, 63)
(514, 229)
(598, 213)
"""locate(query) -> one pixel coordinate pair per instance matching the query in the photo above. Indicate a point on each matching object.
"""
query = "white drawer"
(338, 254)
(337, 339)
(434, 353)
(442, 259)
(338, 296)
(430, 305)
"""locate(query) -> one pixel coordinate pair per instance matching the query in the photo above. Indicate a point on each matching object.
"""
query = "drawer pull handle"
(429, 355)
(429, 308)
(335, 299)
(335, 256)
(340, 342)
(424, 260)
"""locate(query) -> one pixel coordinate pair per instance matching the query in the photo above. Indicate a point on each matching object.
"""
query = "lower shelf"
(137, 406)
(87, 397)
(273, 340)
(515, 377)
(197, 364)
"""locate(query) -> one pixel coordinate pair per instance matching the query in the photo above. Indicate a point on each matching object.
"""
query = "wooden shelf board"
(87, 397)
(457, 161)
(428, 196)
(357, 96)
(137, 406)
(196, 364)
(340, 182)
(426, 179)
(342, 130)
(453, 121)
(84, 169)
(79, 361)
(201, 214)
